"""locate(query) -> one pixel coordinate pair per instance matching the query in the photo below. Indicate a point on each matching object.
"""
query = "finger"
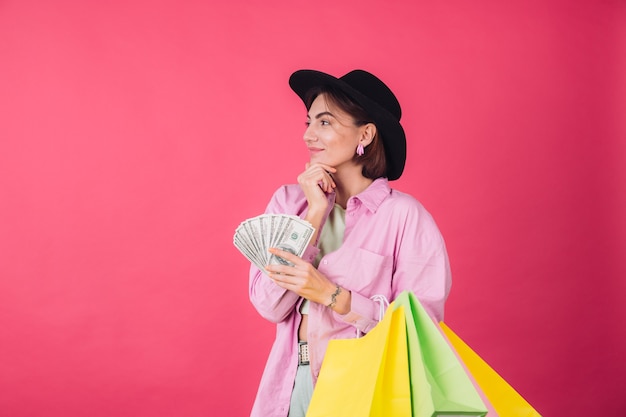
(331, 183)
(282, 283)
(325, 167)
(319, 170)
(285, 280)
(323, 184)
(277, 269)
(326, 182)
(288, 256)
(282, 278)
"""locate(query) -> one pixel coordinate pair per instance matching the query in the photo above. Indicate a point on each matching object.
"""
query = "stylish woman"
(370, 240)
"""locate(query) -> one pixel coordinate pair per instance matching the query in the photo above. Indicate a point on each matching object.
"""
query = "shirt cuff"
(310, 253)
(363, 312)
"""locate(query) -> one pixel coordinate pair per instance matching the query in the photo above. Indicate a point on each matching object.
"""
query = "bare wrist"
(315, 218)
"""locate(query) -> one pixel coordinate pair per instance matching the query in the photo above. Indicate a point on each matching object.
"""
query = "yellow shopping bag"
(366, 377)
(505, 400)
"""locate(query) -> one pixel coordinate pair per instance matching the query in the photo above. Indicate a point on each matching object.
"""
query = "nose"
(309, 134)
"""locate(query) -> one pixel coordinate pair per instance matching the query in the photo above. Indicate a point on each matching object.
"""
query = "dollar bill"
(253, 237)
(294, 238)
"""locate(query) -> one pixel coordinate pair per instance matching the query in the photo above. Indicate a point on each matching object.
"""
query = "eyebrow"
(322, 114)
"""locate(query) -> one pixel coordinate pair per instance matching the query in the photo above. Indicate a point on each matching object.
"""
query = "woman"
(369, 240)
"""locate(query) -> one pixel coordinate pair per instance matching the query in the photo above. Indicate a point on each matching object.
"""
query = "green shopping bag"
(439, 383)
(366, 377)
(505, 400)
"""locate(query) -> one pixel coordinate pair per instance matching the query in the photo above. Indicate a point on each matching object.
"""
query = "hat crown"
(374, 89)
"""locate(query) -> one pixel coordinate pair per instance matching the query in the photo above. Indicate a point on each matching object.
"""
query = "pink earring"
(359, 149)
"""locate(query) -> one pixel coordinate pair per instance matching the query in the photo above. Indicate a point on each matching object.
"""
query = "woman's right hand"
(316, 181)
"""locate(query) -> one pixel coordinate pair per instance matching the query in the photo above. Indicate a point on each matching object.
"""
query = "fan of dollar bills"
(255, 236)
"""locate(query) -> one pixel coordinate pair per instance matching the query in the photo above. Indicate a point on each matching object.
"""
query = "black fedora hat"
(377, 100)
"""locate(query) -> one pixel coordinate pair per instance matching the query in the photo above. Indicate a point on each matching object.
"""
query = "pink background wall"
(136, 135)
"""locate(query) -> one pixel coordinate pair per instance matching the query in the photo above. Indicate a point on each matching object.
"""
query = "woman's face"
(331, 135)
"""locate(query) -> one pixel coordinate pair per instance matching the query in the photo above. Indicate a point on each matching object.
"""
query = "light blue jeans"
(302, 392)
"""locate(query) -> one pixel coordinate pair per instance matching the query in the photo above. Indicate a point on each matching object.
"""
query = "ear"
(367, 134)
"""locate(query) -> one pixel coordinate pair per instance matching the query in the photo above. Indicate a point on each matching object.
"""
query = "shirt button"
(325, 262)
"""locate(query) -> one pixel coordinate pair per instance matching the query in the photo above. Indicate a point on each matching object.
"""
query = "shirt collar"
(373, 196)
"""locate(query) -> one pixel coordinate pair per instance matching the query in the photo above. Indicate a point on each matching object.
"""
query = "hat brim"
(394, 139)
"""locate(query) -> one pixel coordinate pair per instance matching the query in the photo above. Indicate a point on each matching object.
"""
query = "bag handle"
(383, 304)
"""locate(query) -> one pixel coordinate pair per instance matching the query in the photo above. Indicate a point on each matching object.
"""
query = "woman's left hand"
(302, 278)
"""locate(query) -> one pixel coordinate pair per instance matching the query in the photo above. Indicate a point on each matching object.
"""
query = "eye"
(324, 122)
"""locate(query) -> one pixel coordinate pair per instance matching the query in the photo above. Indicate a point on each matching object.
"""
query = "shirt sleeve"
(273, 302)
(421, 263)
(364, 312)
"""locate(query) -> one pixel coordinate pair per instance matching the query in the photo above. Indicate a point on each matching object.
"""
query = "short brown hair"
(373, 161)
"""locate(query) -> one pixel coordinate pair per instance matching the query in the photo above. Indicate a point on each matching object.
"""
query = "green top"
(330, 240)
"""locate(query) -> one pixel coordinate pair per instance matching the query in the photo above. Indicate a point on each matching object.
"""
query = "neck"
(349, 184)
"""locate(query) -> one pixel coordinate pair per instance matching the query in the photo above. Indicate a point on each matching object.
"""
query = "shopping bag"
(503, 397)
(366, 377)
(439, 384)
(491, 412)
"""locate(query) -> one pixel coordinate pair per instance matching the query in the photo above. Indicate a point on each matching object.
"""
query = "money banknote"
(253, 237)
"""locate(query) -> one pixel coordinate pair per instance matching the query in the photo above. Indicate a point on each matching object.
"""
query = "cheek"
(341, 144)
(346, 149)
